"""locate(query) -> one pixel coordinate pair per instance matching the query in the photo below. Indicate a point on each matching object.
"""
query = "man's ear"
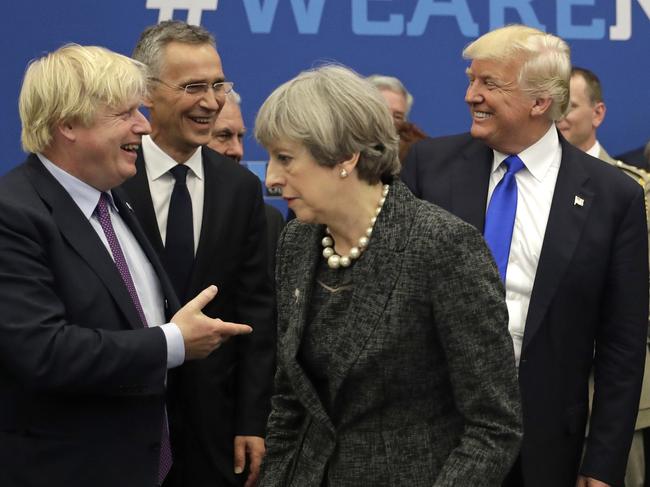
(541, 107)
(598, 115)
(147, 102)
(67, 130)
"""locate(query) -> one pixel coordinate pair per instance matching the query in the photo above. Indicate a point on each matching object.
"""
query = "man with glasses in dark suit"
(205, 217)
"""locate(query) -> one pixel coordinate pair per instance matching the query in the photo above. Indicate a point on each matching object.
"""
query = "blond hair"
(70, 84)
(546, 61)
(334, 113)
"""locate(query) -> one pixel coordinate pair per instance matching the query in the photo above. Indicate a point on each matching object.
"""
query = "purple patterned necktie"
(104, 218)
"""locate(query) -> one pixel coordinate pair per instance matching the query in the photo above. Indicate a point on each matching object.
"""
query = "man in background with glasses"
(205, 217)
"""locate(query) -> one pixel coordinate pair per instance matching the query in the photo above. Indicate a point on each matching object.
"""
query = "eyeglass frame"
(226, 85)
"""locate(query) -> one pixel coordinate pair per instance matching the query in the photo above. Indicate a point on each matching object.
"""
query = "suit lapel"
(299, 286)
(565, 225)
(470, 180)
(216, 201)
(81, 236)
(374, 276)
(140, 197)
(128, 215)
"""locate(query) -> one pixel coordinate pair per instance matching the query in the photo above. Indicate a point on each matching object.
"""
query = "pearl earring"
(343, 174)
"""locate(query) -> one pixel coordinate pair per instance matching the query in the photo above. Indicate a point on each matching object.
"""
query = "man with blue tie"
(569, 238)
(85, 336)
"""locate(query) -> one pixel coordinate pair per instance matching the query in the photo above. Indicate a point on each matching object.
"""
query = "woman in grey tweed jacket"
(395, 366)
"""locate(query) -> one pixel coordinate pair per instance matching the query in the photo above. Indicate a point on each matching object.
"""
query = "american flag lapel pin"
(578, 201)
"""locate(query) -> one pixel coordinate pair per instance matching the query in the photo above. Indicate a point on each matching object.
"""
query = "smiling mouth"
(481, 115)
(202, 120)
(130, 147)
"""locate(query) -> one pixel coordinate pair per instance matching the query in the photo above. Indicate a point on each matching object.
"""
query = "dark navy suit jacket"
(82, 383)
(588, 307)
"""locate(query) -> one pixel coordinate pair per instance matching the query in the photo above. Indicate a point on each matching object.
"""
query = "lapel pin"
(578, 201)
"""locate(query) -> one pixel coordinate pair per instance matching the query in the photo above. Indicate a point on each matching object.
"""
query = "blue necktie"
(500, 217)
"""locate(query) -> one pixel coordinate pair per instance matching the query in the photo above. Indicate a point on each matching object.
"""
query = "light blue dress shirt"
(144, 276)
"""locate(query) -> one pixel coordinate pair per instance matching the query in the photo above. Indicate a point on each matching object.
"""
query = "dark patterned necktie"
(179, 242)
(500, 217)
(104, 218)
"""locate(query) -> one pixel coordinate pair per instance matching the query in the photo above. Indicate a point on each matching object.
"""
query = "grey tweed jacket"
(426, 384)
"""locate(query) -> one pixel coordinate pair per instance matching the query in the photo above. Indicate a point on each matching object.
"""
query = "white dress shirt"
(595, 150)
(142, 272)
(535, 187)
(161, 183)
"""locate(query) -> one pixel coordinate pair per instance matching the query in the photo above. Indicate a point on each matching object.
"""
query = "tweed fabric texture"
(423, 382)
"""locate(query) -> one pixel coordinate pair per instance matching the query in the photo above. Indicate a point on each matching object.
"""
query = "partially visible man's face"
(396, 105)
(500, 109)
(181, 122)
(584, 117)
(228, 131)
(107, 147)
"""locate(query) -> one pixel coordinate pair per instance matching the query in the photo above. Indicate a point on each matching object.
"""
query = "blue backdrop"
(265, 42)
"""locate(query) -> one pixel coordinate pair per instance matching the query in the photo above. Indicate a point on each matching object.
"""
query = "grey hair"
(234, 96)
(152, 41)
(390, 83)
(334, 113)
(546, 68)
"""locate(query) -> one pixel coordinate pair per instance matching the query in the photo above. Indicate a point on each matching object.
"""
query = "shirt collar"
(158, 162)
(595, 150)
(537, 158)
(85, 196)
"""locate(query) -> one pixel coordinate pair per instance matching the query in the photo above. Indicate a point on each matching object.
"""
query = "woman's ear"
(350, 163)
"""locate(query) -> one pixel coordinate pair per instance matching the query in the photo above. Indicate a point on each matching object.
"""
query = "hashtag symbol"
(194, 8)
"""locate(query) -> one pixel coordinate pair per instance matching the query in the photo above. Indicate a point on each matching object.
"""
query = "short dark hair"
(594, 88)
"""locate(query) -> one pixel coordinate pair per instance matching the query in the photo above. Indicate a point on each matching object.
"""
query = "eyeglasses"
(220, 88)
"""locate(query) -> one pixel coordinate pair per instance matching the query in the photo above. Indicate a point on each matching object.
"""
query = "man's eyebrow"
(195, 81)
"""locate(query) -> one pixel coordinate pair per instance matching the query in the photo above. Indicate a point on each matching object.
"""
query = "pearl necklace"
(334, 260)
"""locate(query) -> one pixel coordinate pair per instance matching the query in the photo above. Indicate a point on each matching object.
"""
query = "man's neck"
(180, 155)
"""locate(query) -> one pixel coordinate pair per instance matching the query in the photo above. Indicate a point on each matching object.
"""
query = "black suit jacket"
(228, 393)
(588, 305)
(82, 383)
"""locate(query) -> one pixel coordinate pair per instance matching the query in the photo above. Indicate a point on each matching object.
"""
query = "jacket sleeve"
(42, 345)
(287, 413)
(471, 319)
(255, 306)
(620, 350)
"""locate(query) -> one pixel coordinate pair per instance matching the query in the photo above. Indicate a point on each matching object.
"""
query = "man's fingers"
(204, 297)
(240, 454)
(255, 464)
(227, 329)
(251, 481)
(255, 450)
